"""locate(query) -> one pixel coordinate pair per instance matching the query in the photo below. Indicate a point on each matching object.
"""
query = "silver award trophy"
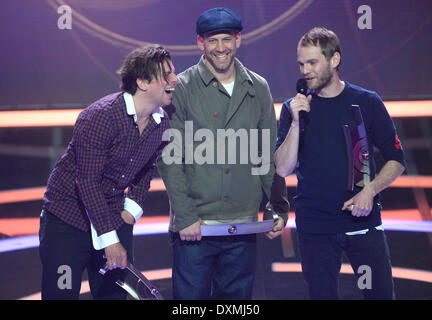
(136, 284)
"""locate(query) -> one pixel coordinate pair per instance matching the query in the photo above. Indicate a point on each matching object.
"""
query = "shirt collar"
(130, 108)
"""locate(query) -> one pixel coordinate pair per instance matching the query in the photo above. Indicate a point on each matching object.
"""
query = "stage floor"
(278, 270)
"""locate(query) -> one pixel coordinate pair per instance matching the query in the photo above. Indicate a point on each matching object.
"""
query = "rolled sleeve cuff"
(104, 240)
(133, 208)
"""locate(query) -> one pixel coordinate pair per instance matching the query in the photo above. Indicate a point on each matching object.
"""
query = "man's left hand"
(127, 217)
(277, 230)
(361, 204)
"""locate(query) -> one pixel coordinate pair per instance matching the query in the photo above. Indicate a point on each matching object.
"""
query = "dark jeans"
(66, 251)
(321, 257)
(221, 267)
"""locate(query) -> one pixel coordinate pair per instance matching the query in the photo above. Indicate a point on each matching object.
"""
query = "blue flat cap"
(218, 19)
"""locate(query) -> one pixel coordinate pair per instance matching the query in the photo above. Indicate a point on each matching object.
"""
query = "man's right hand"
(192, 232)
(299, 103)
(116, 256)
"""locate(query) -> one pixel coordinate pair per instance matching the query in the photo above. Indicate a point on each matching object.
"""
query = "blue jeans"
(66, 251)
(221, 267)
(321, 258)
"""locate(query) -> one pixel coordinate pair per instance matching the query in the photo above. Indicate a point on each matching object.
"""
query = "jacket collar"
(207, 76)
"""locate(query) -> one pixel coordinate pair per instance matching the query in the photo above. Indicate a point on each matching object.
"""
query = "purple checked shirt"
(106, 156)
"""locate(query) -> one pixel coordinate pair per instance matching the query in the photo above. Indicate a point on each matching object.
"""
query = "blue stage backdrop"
(59, 53)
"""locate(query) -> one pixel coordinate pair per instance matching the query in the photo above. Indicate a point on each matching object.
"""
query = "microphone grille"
(301, 86)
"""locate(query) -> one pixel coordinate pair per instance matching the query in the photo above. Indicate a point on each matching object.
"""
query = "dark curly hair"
(143, 63)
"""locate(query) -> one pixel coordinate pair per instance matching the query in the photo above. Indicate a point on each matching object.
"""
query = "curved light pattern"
(401, 273)
(369, 64)
(67, 117)
(113, 5)
(126, 42)
(277, 23)
(157, 274)
(161, 227)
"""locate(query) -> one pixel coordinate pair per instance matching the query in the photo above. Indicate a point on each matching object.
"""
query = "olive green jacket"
(219, 187)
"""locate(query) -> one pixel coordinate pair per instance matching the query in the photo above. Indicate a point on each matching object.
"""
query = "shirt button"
(123, 176)
(113, 189)
(215, 114)
(131, 160)
(215, 84)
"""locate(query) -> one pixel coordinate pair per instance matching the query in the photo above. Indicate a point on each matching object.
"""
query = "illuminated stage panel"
(396, 109)
(38, 118)
(23, 231)
(36, 193)
(58, 118)
(402, 273)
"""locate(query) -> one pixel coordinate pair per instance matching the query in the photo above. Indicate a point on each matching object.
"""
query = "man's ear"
(200, 42)
(335, 60)
(238, 39)
(142, 84)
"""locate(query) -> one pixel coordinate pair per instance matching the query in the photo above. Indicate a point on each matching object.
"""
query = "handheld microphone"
(302, 88)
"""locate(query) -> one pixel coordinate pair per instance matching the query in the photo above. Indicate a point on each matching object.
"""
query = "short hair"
(142, 63)
(324, 38)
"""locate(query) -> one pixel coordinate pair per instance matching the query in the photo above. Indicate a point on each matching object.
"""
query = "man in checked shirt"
(87, 213)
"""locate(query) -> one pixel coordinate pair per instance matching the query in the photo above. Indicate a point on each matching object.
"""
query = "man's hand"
(127, 217)
(277, 230)
(192, 233)
(300, 103)
(116, 256)
(361, 204)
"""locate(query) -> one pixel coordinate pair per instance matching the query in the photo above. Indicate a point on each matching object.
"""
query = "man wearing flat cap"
(218, 95)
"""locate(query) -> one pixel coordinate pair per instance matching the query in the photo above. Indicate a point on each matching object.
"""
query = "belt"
(239, 228)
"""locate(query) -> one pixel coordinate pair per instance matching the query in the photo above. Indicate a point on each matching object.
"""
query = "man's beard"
(211, 61)
(323, 80)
